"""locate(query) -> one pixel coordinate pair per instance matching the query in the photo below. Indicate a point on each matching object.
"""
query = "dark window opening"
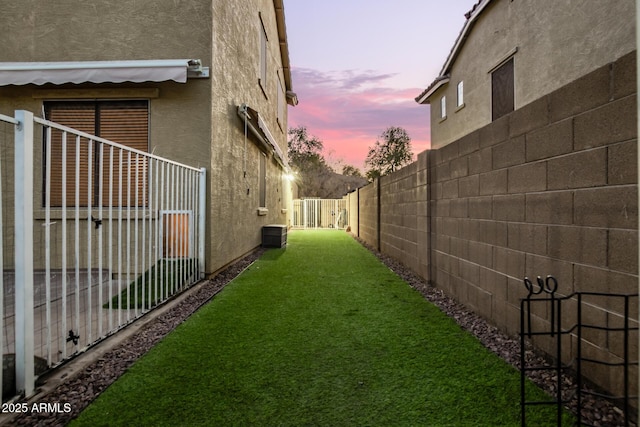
(263, 180)
(502, 90)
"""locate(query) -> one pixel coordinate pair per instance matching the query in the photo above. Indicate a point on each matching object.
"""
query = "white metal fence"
(94, 234)
(320, 213)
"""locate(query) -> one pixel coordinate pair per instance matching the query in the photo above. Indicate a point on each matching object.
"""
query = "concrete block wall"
(550, 189)
(368, 226)
(352, 211)
(404, 222)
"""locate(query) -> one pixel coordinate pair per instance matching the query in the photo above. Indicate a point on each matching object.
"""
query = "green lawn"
(159, 282)
(320, 334)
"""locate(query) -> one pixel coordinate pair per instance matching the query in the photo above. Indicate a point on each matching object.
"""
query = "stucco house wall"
(196, 122)
(234, 215)
(552, 43)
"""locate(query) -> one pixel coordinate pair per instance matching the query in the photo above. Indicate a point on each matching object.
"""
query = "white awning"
(39, 73)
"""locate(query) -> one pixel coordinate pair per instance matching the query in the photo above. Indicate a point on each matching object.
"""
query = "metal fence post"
(23, 184)
(202, 220)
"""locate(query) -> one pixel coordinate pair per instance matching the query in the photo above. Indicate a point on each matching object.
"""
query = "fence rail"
(98, 234)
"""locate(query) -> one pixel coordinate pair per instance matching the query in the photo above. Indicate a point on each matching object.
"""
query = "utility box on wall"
(274, 236)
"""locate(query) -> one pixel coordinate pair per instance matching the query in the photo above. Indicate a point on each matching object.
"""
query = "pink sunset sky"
(357, 66)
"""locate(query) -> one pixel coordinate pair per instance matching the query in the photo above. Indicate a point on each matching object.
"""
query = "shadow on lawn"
(273, 254)
(158, 283)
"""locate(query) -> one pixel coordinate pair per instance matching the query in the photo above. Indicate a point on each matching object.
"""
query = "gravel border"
(81, 389)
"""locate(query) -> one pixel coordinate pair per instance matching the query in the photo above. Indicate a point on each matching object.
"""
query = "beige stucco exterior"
(196, 122)
(552, 42)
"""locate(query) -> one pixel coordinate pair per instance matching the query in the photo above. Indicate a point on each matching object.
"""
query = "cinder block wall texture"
(403, 215)
(550, 189)
(368, 224)
(352, 211)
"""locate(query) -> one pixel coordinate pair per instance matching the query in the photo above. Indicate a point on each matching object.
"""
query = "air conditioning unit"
(274, 236)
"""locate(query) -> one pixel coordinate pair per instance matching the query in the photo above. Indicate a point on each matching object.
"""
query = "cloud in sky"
(349, 109)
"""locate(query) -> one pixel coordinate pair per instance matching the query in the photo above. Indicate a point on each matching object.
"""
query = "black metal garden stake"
(545, 291)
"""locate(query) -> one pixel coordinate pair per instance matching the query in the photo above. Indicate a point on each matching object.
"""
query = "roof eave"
(443, 78)
(472, 17)
(440, 81)
(284, 51)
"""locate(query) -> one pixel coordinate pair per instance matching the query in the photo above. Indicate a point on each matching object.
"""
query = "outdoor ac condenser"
(274, 236)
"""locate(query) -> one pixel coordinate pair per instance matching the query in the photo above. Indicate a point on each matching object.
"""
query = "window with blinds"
(93, 165)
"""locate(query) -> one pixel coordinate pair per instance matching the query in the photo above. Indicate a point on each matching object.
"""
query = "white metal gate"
(320, 213)
(123, 232)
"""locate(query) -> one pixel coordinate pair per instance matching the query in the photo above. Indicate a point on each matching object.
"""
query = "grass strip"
(320, 333)
(162, 279)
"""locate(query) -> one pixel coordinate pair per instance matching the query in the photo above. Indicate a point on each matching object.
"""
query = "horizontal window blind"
(81, 118)
(124, 122)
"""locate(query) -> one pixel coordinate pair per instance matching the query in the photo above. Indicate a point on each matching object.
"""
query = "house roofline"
(440, 81)
(472, 17)
(292, 98)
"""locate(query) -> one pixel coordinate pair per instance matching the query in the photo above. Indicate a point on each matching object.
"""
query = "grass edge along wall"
(548, 189)
(318, 333)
